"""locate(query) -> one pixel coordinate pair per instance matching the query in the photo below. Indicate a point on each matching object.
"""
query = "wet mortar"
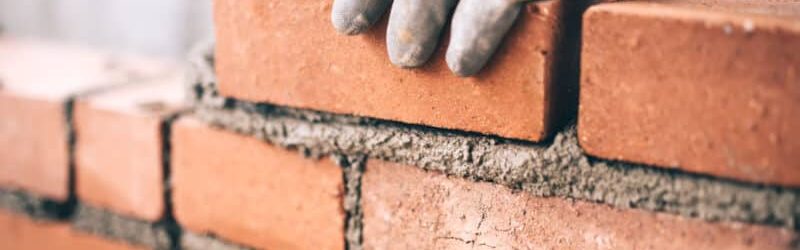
(558, 168)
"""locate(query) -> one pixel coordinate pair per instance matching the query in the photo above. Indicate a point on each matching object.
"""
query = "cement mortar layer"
(558, 168)
(193, 241)
(353, 171)
(109, 225)
(31, 205)
(88, 219)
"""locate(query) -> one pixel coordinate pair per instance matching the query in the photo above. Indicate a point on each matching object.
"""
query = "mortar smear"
(559, 168)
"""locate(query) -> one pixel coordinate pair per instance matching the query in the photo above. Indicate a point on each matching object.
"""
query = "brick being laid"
(38, 82)
(298, 60)
(711, 89)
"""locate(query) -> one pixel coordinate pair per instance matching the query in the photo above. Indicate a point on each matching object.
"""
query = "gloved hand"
(477, 28)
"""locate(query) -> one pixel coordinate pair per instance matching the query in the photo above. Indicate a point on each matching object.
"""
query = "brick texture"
(707, 91)
(20, 233)
(36, 80)
(299, 60)
(254, 194)
(119, 154)
(408, 208)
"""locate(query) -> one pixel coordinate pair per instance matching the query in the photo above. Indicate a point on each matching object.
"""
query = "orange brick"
(20, 233)
(408, 208)
(36, 80)
(265, 55)
(119, 154)
(707, 91)
(252, 193)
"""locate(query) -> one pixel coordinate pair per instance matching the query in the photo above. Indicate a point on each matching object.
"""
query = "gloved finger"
(478, 28)
(414, 28)
(351, 17)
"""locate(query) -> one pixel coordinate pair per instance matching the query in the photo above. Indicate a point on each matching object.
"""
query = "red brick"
(119, 154)
(265, 55)
(706, 91)
(252, 193)
(20, 233)
(36, 80)
(408, 208)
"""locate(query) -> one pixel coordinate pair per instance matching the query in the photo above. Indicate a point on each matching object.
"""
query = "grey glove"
(478, 28)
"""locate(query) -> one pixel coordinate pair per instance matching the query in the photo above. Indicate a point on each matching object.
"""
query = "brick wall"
(674, 130)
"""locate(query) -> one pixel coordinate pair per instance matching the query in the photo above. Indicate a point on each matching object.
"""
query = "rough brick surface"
(36, 81)
(299, 60)
(20, 233)
(708, 91)
(408, 208)
(119, 154)
(252, 193)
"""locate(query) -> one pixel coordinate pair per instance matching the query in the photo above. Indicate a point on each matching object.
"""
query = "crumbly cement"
(559, 168)
(107, 224)
(193, 241)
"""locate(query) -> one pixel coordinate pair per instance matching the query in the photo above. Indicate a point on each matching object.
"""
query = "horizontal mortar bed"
(556, 169)
(22, 233)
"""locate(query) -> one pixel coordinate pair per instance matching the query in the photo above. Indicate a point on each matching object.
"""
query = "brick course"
(254, 194)
(712, 92)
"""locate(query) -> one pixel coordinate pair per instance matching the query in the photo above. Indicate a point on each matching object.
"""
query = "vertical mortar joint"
(168, 222)
(353, 169)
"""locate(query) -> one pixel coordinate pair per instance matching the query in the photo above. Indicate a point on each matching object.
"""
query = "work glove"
(477, 28)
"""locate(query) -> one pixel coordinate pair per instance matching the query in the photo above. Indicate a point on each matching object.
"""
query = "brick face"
(711, 92)
(33, 145)
(119, 148)
(254, 194)
(36, 80)
(408, 208)
(20, 233)
(299, 60)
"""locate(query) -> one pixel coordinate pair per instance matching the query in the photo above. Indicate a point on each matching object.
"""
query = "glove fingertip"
(350, 25)
(461, 65)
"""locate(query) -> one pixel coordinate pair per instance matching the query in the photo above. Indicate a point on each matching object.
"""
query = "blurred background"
(162, 28)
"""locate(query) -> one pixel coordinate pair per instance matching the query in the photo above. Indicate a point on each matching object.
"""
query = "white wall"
(155, 27)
